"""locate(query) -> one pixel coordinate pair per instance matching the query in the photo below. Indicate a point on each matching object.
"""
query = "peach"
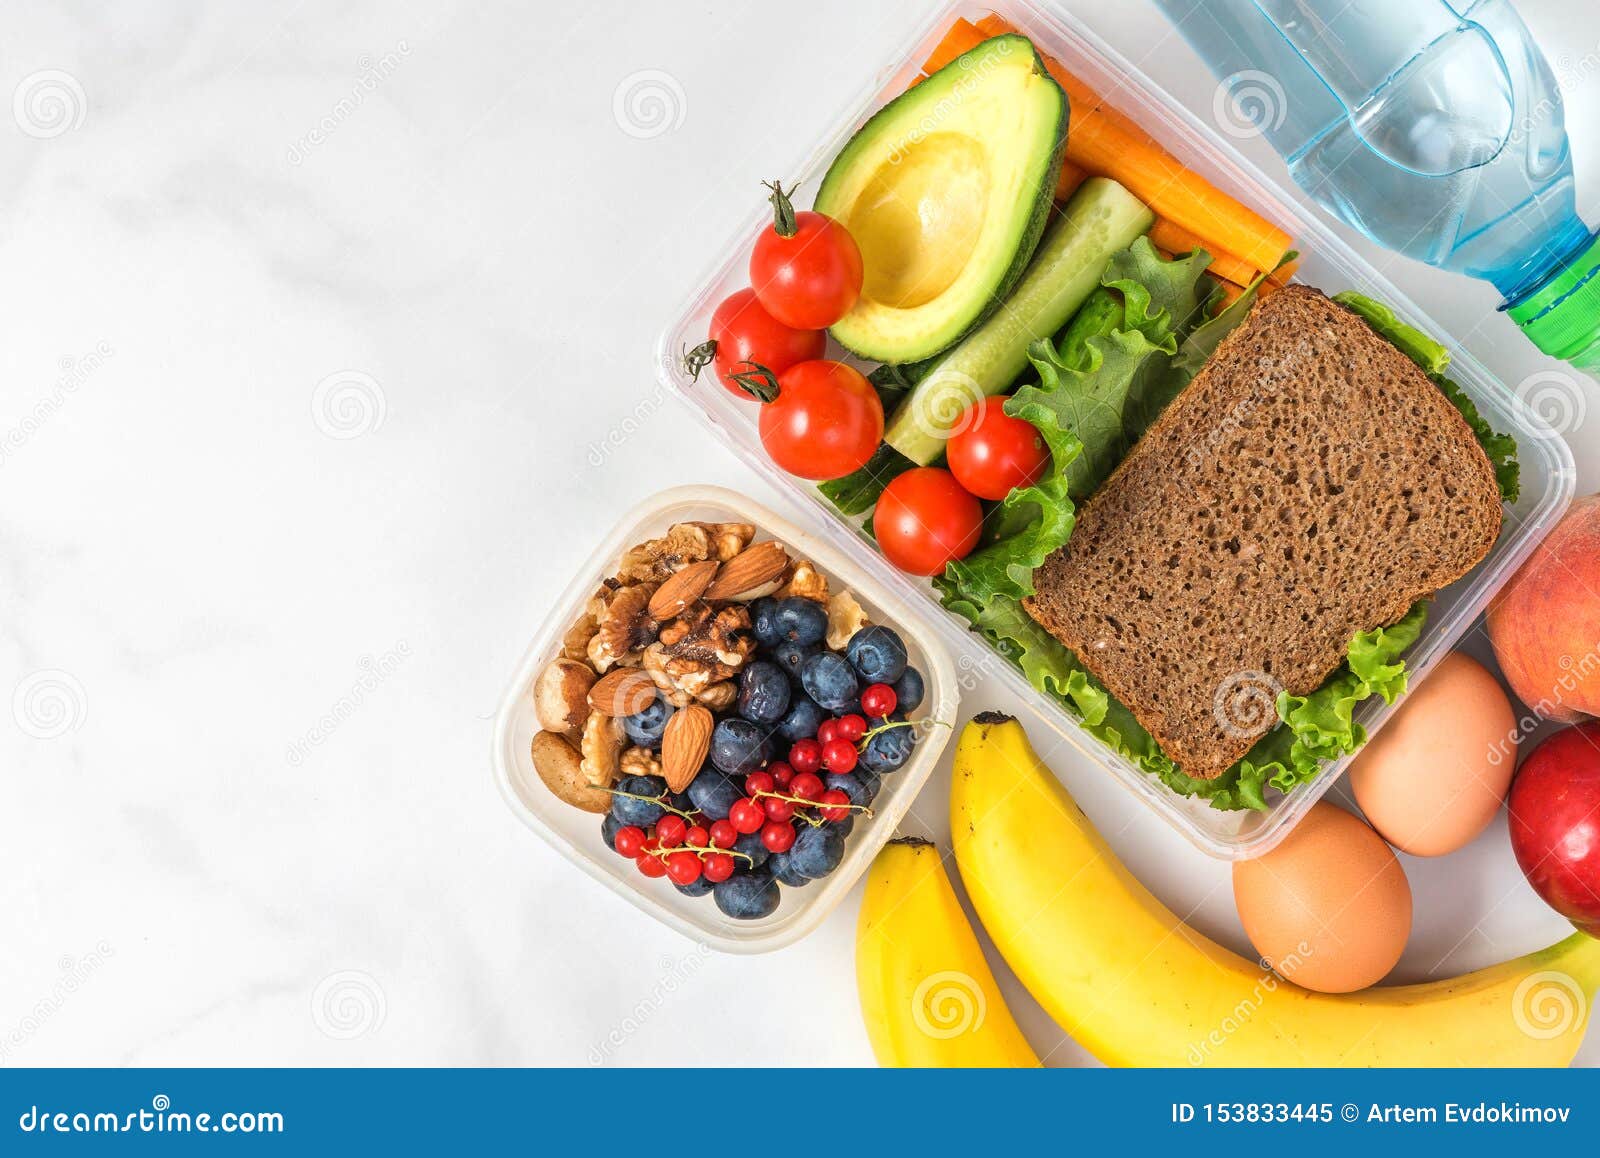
(1545, 623)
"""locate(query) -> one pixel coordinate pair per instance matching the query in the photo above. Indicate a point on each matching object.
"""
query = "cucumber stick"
(1101, 218)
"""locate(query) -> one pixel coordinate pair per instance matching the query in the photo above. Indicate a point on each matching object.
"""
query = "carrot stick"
(1179, 240)
(1282, 275)
(1230, 294)
(962, 36)
(1102, 140)
(1069, 180)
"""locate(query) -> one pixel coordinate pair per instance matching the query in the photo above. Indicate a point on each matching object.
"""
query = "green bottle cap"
(1562, 317)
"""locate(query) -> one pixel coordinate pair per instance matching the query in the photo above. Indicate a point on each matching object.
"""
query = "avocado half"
(946, 190)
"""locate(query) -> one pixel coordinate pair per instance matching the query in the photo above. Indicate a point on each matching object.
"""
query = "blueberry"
(877, 654)
(860, 787)
(889, 749)
(844, 827)
(763, 621)
(738, 746)
(644, 728)
(782, 870)
(908, 690)
(801, 620)
(763, 692)
(641, 813)
(699, 888)
(713, 793)
(747, 896)
(792, 656)
(750, 844)
(609, 827)
(817, 851)
(802, 720)
(828, 679)
(680, 801)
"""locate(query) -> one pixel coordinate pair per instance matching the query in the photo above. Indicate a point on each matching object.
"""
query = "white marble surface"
(312, 313)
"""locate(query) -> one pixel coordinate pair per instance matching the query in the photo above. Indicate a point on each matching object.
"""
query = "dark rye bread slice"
(1310, 483)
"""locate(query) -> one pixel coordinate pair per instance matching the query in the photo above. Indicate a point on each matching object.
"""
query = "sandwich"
(1248, 508)
(1309, 485)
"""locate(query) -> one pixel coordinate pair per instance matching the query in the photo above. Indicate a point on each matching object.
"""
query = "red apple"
(1545, 623)
(1555, 823)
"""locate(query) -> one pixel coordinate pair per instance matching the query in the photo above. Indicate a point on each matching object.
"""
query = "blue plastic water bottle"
(1435, 128)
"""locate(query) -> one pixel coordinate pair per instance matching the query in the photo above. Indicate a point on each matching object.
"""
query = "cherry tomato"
(925, 519)
(824, 421)
(806, 269)
(994, 453)
(746, 334)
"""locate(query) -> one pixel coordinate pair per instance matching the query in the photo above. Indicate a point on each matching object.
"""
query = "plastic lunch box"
(576, 834)
(1547, 469)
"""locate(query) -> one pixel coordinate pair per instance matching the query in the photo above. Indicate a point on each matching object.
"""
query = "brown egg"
(1330, 907)
(1433, 779)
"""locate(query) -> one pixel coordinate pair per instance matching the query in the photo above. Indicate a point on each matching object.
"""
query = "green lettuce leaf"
(1435, 360)
(1314, 729)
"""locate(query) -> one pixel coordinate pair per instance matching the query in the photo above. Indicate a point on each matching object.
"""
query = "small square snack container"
(576, 834)
(1326, 262)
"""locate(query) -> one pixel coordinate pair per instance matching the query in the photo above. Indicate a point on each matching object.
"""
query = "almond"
(681, 590)
(623, 691)
(752, 573)
(684, 745)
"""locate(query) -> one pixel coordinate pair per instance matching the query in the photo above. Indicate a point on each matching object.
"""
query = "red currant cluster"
(683, 847)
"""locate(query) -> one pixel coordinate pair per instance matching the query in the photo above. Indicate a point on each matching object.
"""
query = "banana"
(926, 992)
(1136, 986)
